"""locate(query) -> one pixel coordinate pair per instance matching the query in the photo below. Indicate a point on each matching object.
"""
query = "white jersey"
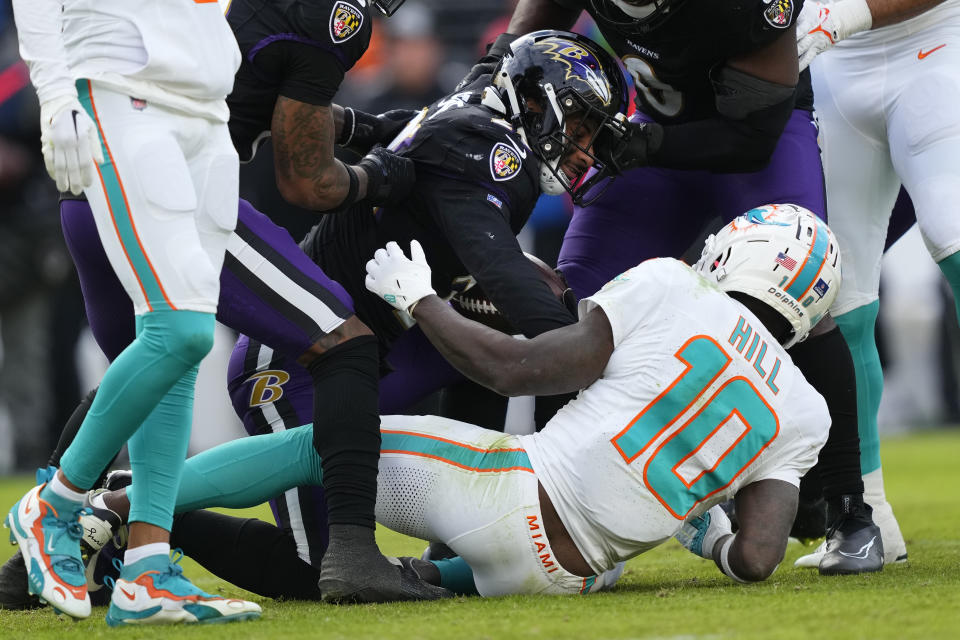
(178, 53)
(696, 400)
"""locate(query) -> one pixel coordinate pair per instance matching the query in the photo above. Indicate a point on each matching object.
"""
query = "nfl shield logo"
(345, 21)
(779, 14)
(504, 162)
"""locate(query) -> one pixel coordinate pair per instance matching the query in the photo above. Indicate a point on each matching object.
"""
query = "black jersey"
(672, 64)
(477, 183)
(299, 49)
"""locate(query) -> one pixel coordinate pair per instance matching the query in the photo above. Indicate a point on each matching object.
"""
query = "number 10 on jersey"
(725, 433)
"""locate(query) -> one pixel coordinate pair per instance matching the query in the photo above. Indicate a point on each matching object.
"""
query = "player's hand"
(70, 144)
(367, 130)
(390, 178)
(632, 148)
(700, 535)
(821, 26)
(400, 281)
(489, 62)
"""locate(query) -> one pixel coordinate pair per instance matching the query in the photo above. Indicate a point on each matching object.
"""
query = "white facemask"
(634, 11)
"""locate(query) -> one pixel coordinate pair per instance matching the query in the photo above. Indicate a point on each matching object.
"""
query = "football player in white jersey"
(885, 97)
(688, 398)
(133, 113)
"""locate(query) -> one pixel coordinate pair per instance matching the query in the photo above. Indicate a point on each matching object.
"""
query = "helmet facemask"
(564, 107)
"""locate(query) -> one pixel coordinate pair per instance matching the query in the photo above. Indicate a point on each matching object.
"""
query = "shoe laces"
(174, 572)
(56, 529)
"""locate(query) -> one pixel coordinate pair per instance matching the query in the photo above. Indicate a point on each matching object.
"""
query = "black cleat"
(853, 544)
(14, 593)
(354, 571)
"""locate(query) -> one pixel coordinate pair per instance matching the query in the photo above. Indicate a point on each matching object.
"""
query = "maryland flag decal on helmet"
(345, 21)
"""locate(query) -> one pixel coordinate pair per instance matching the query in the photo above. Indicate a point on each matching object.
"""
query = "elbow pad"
(758, 109)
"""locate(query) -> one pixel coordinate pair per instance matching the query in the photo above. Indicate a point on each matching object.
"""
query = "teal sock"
(168, 344)
(859, 330)
(249, 471)
(456, 575)
(157, 453)
(950, 267)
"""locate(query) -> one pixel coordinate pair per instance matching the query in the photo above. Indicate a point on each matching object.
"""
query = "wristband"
(349, 127)
(725, 561)
(351, 196)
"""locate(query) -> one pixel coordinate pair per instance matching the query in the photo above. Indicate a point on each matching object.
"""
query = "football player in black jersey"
(724, 123)
(483, 155)
(295, 55)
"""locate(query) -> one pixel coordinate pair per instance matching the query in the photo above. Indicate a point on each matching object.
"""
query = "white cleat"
(895, 549)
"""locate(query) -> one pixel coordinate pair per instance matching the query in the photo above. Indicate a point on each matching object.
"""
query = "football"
(475, 305)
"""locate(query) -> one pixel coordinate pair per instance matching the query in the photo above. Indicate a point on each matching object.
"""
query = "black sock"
(346, 428)
(69, 433)
(826, 363)
(250, 553)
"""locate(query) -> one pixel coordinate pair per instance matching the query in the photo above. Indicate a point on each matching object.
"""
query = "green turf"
(666, 593)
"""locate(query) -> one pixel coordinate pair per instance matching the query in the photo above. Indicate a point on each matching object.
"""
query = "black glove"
(390, 178)
(362, 131)
(488, 63)
(631, 150)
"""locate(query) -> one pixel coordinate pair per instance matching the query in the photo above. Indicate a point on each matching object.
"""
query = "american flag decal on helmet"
(786, 261)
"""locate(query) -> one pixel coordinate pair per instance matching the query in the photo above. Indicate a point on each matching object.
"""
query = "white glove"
(820, 26)
(400, 281)
(70, 144)
(699, 535)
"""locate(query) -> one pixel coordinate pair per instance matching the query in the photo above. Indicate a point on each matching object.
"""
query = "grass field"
(666, 593)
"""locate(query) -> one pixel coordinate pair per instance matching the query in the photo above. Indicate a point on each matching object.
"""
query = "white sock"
(56, 485)
(136, 554)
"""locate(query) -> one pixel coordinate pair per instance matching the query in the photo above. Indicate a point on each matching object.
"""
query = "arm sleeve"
(484, 242)
(308, 73)
(734, 145)
(631, 299)
(41, 47)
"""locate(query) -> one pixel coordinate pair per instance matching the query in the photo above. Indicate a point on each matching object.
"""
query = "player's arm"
(480, 236)
(304, 131)
(765, 510)
(820, 26)
(558, 361)
(68, 137)
(754, 99)
(532, 15)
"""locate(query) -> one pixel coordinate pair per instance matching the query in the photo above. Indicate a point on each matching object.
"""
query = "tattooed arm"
(307, 173)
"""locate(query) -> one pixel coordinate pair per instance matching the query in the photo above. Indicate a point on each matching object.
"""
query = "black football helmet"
(546, 79)
(388, 7)
(633, 16)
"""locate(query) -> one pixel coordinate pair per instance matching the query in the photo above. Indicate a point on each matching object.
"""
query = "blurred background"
(48, 360)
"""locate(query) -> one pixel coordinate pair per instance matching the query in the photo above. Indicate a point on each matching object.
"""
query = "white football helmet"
(782, 255)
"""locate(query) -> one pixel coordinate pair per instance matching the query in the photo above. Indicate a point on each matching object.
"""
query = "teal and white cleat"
(155, 591)
(50, 545)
